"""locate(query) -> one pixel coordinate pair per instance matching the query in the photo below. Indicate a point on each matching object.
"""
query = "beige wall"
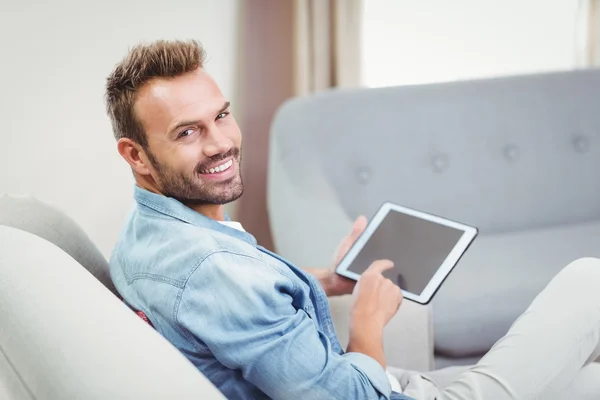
(266, 80)
(55, 140)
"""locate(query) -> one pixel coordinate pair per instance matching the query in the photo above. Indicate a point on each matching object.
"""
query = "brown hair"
(160, 59)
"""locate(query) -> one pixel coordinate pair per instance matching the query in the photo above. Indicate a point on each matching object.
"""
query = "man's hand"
(358, 228)
(340, 285)
(334, 284)
(376, 301)
(376, 298)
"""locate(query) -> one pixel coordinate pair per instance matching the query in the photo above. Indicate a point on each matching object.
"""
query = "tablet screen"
(417, 247)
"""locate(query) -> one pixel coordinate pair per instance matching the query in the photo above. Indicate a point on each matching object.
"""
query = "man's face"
(194, 144)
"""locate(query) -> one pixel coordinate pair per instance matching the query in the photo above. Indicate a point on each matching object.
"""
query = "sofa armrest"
(408, 338)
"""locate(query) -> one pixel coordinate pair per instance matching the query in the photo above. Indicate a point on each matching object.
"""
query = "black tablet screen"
(416, 246)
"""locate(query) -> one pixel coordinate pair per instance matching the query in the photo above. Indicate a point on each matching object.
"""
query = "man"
(254, 324)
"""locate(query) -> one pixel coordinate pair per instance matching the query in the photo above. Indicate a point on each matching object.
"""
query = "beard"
(192, 189)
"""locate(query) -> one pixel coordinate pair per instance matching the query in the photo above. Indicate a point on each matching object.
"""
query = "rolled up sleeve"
(243, 310)
(372, 369)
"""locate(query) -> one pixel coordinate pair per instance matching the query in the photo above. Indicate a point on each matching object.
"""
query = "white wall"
(423, 41)
(56, 142)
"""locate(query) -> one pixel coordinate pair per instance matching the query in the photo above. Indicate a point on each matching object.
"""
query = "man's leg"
(546, 347)
(585, 386)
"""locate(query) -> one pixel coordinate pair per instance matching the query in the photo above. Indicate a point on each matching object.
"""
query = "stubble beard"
(192, 189)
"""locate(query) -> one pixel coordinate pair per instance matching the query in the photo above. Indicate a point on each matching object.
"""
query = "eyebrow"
(195, 122)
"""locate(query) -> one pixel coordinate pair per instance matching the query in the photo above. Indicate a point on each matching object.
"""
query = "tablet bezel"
(469, 234)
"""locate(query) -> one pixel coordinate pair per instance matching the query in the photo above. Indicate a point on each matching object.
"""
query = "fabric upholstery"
(516, 157)
(503, 273)
(11, 385)
(31, 215)
(65, 336)
(503, 154)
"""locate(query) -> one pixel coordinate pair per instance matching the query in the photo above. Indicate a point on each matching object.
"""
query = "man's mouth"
(219, 168)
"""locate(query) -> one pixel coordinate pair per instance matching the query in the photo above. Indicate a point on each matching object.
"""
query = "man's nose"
(216, 142)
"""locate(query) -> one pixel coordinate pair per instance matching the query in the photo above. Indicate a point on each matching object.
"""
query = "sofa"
(518, 157)
(64, 333)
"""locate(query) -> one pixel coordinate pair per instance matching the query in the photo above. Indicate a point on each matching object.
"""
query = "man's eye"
(222, 115)
(186, 133)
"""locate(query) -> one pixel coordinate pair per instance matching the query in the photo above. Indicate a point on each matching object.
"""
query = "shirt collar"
(173, 208)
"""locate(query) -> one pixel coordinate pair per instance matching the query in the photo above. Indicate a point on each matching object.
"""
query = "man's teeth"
(219, 168)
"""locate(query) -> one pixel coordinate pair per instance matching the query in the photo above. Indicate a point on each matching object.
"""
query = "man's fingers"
(359, 227)
(381, 266)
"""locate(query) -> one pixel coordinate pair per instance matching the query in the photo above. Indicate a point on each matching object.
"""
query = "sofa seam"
(18, 375)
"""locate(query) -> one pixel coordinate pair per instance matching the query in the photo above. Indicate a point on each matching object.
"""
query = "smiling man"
(256, 325)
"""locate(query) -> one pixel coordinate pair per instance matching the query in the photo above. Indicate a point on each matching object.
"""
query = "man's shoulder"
(167, 249)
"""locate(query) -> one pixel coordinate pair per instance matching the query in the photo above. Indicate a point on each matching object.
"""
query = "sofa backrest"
(63, 335)
(505, 154)
(31, 215)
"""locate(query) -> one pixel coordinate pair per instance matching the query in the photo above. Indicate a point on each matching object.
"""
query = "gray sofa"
(517, 157)
(63, 332)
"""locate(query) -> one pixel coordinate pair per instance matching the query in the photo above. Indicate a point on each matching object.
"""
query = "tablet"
(423, 247)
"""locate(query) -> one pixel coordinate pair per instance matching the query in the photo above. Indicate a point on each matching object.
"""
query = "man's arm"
(241, 308)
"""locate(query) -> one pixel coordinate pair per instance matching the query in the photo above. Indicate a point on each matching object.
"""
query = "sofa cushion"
(70, 338)
(31, 215)
(11, 385)
(498, 278)
(504, 154)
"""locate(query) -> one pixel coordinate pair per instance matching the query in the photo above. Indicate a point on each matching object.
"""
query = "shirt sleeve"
(243, 310)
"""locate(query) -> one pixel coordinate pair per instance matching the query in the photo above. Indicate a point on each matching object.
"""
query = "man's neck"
(212, 211)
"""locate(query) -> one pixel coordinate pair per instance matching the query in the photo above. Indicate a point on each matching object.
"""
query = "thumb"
(358, 227)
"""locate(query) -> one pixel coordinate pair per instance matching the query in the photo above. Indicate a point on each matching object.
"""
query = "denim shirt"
(254, 324)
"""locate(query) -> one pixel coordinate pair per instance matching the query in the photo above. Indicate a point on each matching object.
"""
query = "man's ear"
(135, 156)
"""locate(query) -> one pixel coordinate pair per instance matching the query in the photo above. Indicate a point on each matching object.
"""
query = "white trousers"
(543, 355)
